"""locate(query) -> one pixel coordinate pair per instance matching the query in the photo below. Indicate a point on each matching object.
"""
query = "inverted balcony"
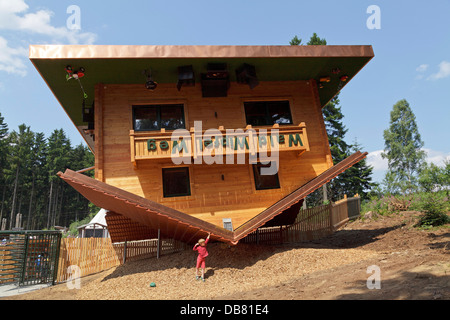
(255, 142)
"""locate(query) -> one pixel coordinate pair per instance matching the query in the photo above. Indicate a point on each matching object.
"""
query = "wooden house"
(183, 135)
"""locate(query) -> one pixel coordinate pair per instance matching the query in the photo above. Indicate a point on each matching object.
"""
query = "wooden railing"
(310, 224)
(214, 142)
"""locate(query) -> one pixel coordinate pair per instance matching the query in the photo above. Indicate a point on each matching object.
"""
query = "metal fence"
(29, 257)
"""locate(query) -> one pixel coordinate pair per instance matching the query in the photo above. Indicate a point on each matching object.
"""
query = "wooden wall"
(212, 198)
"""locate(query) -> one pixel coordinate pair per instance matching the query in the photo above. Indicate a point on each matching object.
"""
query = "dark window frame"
(188, 183)
(267, 118)
(158, 108)
(257, 172)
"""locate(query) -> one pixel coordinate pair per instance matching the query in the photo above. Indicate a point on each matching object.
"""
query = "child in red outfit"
(200, 246)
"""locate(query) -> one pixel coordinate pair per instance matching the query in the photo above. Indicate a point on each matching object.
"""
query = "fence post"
(56, 257)
(24, 260)
(281, 234)
(124, 251)
(330, 210)
(158, 249)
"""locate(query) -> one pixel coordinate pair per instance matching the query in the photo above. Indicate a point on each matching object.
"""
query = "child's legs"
(203, 268)
(200, 265)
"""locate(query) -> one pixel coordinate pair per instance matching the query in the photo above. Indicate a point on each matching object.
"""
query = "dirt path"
(413, 264)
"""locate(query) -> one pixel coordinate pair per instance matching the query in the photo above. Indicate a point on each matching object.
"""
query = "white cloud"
(11, 59)
(14, 16)
(444, 71)
(422, 68)
(375, 159)
(437, 157)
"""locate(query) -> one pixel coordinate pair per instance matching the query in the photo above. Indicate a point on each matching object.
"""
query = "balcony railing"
(257, 142)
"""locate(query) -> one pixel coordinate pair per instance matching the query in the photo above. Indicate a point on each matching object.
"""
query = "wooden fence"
(92, 255)
(310, 224)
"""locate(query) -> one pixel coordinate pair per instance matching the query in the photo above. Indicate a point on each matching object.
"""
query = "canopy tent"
(96, 228)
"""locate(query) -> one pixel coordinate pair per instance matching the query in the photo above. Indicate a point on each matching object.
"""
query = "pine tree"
(3, 153)
(38, 178)
(295, 41)
(316, 41)
(3, 141)
(17, 162)
(81, 157)
(59, 150)
(403, 149)
(29, 184)
(358, 178)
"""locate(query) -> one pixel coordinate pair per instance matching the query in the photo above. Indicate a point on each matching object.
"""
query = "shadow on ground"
(245, 255)
(405, 286)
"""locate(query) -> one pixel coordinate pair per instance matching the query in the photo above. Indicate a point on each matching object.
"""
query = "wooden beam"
(98, 129)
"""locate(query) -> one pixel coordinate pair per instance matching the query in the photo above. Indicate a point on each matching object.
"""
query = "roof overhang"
(122, 64)
(142, 216)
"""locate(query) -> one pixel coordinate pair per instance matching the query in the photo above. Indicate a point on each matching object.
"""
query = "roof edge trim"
(199, 51)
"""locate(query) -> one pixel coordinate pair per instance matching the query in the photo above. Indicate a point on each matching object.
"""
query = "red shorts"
(200, 262)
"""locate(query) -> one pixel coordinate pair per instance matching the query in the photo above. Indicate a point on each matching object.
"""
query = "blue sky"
(412, 53)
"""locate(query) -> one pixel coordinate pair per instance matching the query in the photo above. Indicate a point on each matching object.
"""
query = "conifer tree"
(59, 150)
(3, 153)
(18, 159)
(403, 149)
(28, 181)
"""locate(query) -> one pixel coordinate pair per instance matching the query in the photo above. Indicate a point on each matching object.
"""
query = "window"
(266, 113)
(176, 182)
(263, 182)
(227, 224)
(155, 117)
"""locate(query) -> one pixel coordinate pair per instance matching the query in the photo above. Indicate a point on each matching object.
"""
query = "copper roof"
(141, 217)
(194, 51)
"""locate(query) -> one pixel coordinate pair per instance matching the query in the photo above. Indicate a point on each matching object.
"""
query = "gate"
(29, 257)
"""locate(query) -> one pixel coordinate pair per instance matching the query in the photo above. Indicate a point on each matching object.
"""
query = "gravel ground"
(229, 270)
(415, 265)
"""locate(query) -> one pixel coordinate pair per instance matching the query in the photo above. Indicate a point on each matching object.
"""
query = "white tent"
(96, 228)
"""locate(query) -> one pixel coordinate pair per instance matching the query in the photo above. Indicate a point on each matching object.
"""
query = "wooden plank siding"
(212, 197)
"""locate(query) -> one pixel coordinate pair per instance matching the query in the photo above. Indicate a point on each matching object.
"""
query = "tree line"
(32, 196)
